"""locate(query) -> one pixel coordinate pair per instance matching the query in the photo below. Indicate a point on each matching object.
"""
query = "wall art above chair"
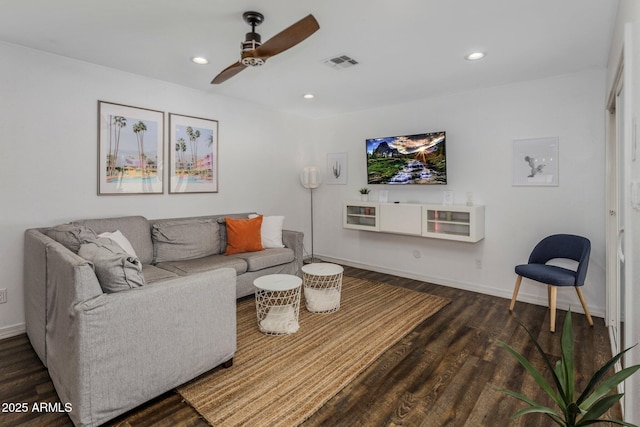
(535, 162)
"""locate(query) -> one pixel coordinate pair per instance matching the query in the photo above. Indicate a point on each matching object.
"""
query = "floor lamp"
(310, 178)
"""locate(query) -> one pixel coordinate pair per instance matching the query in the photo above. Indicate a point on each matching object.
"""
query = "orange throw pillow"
(243, 235)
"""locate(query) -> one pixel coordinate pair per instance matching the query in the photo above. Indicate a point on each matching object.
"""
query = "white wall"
(48, 130)
(480, 127)
(48, 121)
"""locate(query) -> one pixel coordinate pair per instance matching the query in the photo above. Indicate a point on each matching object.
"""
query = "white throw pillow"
(271, 231)
(122, 241)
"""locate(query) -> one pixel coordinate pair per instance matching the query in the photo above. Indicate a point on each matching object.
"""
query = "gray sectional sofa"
(109, 350)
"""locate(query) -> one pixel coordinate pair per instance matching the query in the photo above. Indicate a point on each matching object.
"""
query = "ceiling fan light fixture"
(200, 60)
(254, 53)
(250, 61)
(475, 56)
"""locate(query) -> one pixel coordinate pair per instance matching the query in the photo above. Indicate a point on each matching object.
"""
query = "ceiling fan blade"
(288, 37)
(228, 72)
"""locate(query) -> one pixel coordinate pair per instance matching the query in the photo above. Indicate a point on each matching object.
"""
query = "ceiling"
(406, 49)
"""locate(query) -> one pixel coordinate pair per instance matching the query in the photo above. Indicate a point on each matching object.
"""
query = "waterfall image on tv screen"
(409, 159)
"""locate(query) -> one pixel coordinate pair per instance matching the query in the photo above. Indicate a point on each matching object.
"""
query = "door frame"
(612, 174)
(622, 82)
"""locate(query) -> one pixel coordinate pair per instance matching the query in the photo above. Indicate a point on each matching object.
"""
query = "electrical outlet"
(3, 295)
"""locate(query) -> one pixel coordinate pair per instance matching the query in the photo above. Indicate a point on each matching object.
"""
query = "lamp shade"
(310, 177)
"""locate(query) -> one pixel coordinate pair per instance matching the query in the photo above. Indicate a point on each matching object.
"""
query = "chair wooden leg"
(584, 306)
(515, 293)
(553, 295)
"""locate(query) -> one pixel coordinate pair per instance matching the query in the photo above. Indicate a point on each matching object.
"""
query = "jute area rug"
(283, 380)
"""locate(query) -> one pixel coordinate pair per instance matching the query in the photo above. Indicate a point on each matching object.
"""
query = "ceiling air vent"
(340, 62)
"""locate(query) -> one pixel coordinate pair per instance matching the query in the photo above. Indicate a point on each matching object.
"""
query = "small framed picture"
(337, 168)
(130, 150)
(535, 162)
(193, 148)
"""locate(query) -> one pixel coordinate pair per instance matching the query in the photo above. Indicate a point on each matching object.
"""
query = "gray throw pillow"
(71, 236)
(116, 270)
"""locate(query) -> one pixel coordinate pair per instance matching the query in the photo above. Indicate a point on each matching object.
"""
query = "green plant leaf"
(518, 396)
(537, 376)
(600, 374)
(541, 410)
(559, 369)
(618, 422)
(574, 409)
(607, 385)
(599, 408)
(566, 346)
(562, 402)
(534, 407)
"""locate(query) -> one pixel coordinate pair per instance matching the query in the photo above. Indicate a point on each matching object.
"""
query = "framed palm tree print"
(193, 153)
(130, 150)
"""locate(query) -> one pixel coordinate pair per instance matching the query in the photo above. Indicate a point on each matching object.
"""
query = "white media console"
(451, 222)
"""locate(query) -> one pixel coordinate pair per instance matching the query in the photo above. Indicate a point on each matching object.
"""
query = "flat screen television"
(407, 159)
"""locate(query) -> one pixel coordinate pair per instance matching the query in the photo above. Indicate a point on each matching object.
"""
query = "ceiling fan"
(255, 53)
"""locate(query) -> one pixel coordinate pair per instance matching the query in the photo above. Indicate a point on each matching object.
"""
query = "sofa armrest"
(294, 240)
(55, 279)
(155, 338)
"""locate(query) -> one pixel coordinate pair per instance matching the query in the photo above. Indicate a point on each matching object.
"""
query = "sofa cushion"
(184, 239)
(116, 270)
(271, 231)
(71, 236)
(211, 262)
(243, 235)
(153, 274)
(267, 258)
(135, 228)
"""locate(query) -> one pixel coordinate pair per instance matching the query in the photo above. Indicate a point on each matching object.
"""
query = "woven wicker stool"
(322, 287)
(278, 303)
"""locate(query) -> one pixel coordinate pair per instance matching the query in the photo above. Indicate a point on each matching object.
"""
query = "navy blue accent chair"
(566, 246)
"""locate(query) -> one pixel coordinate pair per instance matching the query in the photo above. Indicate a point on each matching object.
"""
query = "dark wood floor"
(444, 373)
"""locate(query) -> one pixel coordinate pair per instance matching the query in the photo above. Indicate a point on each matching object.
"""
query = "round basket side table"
(322, 287)
(278, 303)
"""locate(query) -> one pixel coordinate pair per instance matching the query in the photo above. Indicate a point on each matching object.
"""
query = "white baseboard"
(473, 287)
(12, 331)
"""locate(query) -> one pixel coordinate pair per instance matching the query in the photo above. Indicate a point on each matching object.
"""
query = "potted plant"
(364, 194)
(575, 409)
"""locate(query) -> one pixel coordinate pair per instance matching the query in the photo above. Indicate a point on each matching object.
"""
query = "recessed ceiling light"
(308, 96)
(475, 56)
(200, 60)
